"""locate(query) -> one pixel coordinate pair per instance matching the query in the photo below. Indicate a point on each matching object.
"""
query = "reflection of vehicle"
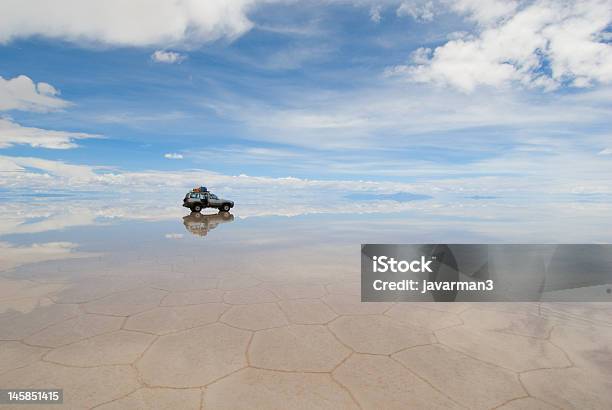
(198, 200)
(200, 224)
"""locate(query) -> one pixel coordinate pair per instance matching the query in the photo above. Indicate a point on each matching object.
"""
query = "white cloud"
(534, 167)
(21, 93)
(138, 118)
(375, 13)
(421, 55)
(606, 151)
(121, 23)
(418, 10)
(12, 133)
(37, 173)
(22, 172)
(543, 44)
(173, 155)
(360, 118)
(485, 11)
(168, 57)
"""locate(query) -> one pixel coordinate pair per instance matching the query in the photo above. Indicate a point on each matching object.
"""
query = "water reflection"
(380, 221)
(200, 224)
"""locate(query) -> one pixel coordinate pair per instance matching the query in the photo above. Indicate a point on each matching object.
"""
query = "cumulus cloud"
(168, 57)
(173, 155)
(21, 93)
(543, 44)
(12, 133)
(121, 23)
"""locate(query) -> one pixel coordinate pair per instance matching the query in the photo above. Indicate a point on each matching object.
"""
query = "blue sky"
(450, 96)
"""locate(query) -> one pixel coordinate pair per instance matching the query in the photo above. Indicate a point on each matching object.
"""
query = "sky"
(441, 98)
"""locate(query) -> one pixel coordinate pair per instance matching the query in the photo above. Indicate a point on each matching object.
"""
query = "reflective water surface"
(126, 306)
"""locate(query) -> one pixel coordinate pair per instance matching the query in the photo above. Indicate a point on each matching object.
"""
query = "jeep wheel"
(225, 208)
(197, 208)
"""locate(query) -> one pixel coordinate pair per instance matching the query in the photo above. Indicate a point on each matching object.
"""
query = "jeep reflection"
(199, 224)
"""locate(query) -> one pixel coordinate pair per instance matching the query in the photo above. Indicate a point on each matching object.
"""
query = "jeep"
(196, 201)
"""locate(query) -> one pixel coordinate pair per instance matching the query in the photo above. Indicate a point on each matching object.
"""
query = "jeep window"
(194, 195)
(213, 196)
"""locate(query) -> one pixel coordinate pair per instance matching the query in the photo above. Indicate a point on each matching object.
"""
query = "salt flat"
(209, 322)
